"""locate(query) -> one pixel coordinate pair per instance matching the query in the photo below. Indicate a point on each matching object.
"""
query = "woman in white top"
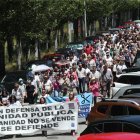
(18, 93)
(13, 102)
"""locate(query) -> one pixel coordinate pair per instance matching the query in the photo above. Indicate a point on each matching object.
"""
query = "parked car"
(52, 56)
(64, 51)
(128, 90)
(137, 59)
(129, 123)
(131, 69)
(28, 65)
(113, 30)
(75, 45)
(111, 136)
(126, 79)
(67, 51)
(114, 107)
(11, 77)
(91, 39)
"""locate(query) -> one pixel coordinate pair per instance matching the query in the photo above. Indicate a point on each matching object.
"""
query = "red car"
(111, 136)
(55, 56)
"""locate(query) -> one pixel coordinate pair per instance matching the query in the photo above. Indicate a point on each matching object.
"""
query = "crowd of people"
(93, 71)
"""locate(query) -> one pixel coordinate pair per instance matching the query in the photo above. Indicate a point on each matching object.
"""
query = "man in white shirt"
(109, 59)
(121, 66)
(81, 77)
(48, 84)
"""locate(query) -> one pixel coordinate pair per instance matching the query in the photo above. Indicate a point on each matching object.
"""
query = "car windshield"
(75, 46)
(14, 77)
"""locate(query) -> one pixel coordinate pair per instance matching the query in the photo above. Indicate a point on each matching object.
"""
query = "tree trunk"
(29, 53)
(10, 48)
(81, 26)
(2, 60)
(56, 40)
(76, 30)
(47, 44)
(89, 31)
(19, 53)
(36, 50)
(69, 31)
(62, 35)
(49, 38)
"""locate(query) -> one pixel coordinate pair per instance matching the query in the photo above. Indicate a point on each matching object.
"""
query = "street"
(52, 135)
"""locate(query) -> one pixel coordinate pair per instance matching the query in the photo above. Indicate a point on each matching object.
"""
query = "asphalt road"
(52, 135)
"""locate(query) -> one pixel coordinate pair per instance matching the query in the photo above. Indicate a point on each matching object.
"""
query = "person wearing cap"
(121, 66)
(94, 88)
(22, 86)
(95, 73)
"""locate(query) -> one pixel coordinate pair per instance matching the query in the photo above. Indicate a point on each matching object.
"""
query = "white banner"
(30, 119)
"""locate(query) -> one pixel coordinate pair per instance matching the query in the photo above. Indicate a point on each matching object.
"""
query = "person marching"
(72, 98)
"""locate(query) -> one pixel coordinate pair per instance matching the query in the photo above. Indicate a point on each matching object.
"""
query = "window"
(98, 128)
(95, 128)
(133, 111)
(113, 127)
(117, 110)
(129, 79)
(102, 109)
(132, 91)
(127, 127)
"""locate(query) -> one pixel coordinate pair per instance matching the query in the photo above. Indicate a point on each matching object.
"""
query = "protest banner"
(30, 119)
(85, 101)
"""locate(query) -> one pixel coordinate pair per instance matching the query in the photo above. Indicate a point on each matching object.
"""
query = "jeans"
(82, 82)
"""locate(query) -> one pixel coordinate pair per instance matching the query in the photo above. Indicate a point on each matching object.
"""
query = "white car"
(126, 79)
(130, 91)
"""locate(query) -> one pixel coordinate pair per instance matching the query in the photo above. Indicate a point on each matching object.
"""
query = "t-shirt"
(75, 99)
(48, 84)
(17, 103)
(17, 93)
(81, 73)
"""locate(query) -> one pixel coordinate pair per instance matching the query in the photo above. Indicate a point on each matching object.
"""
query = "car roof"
(114, 29)
(111, 136)
(130, 87)
(135, 119)
(16, 73)
(130, 73)
(132, 69)
(71, 43)
(125, 100)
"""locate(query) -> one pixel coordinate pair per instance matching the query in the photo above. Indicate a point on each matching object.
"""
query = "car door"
(112, 127)
(129, 127)
(99, 111)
